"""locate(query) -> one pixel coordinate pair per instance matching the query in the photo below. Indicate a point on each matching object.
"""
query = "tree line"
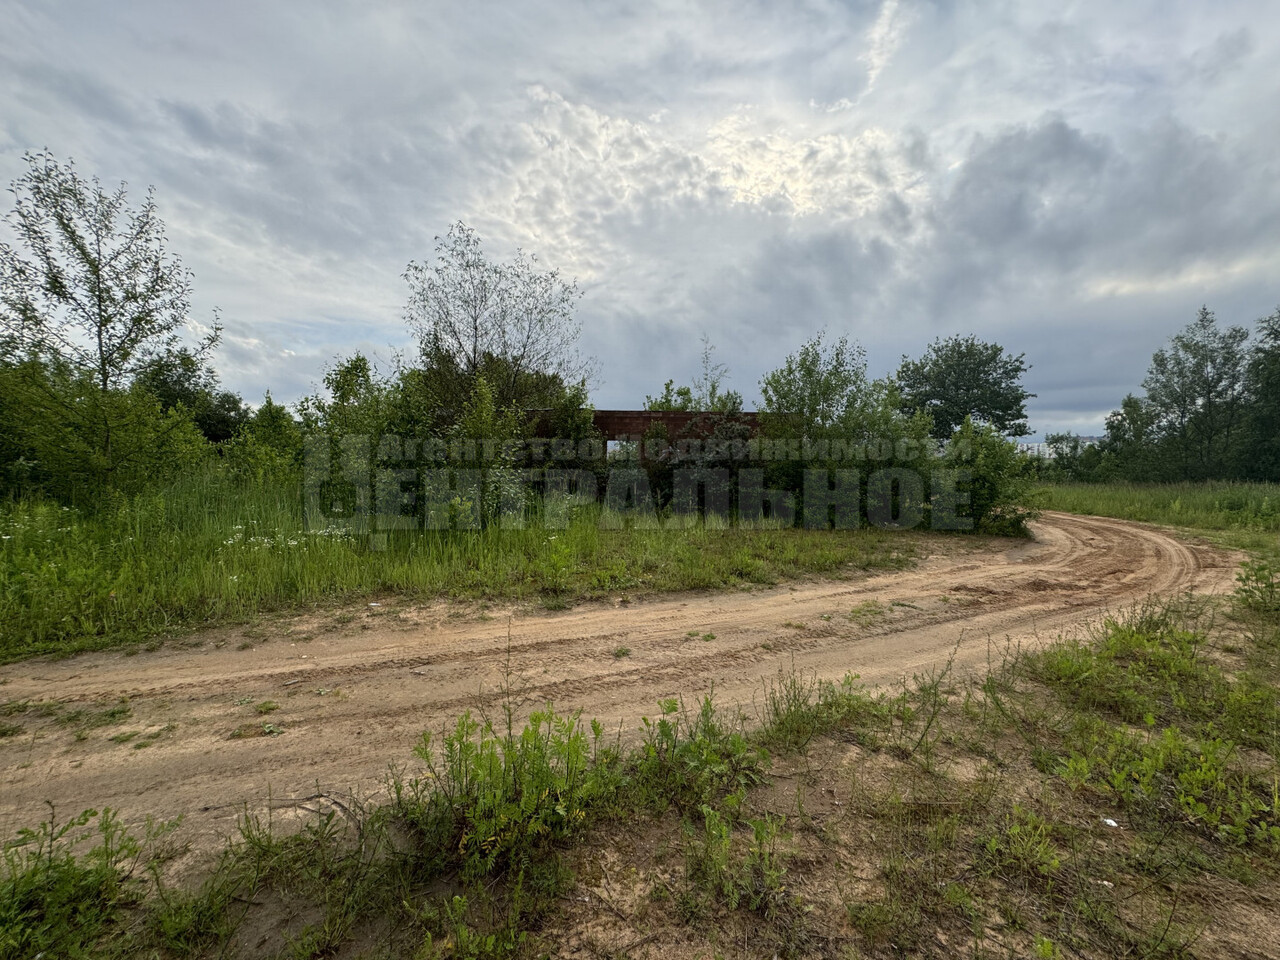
(105, 391)
(1209, 410)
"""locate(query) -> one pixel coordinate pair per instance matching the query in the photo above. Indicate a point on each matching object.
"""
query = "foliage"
(1196, 392)
(751, 881)
(56, 901)
(180, 377)
(78, 442)
(267, 449)
(798, 709)
(1184, 721)
(507, 321)
(821, 399)
(92, 302)
(690, 760)
(500, 800)
(707, 393)
(1259, 587)
(1209, 410)
(1243, 515)
(498, 488)
(219, 544)
(1260, 458)
(963, 377)
(816, 390)
(97, 290)
(996, 478)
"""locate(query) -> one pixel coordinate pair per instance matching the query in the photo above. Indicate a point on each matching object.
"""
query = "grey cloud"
(1071, 182)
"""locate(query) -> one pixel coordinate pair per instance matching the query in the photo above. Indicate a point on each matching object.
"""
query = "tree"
(998, 479)
(268, 446)
(180, 378)
(815, 389)
(359, 401)
(707, 393)
(97, 289)
(1196, 388)
(1262, 427)
(502, 321)
(1128, 450)
(90, 296)
(966, 377)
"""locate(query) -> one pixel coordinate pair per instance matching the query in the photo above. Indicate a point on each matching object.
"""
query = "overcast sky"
(1071, 180)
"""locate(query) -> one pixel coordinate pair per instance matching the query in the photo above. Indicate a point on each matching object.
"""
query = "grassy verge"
(1241, 515)
(209, 550)
(1113, 795)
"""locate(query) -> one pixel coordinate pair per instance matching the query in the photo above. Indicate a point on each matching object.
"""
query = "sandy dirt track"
(355, 695)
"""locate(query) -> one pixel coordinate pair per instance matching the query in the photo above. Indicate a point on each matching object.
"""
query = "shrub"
(494, 801)
(999, 479)
(694, 761)
(1259, 589)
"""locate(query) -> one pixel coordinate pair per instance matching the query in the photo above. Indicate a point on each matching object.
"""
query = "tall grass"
(210, 549)
(1244, 515)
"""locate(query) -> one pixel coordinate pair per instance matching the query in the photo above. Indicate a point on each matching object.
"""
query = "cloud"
(883, 40)
(1072, 182)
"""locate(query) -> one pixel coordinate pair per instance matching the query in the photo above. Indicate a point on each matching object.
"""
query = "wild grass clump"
(64, 885)
(798, 708)
(693, 759)
(495, 802)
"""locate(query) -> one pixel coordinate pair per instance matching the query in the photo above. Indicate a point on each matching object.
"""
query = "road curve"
(354, 697)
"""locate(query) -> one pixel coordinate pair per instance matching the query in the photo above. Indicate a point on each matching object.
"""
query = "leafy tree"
(707, 393)
(966, 377)
(359, 400)
(20, 469)
(1196, 390)
(1070, 458)
(815, 388)
(90, 296)
(1261, 452)
(182, 378)
(429, 399)
(1128, 451)
(821, 395)
(65, 443)
(268, 446)
(507, 322)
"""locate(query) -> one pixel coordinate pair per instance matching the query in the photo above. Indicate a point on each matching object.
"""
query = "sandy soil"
(356, 690)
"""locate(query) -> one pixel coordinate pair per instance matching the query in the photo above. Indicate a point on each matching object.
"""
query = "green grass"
(1241, 515)
(209, 550)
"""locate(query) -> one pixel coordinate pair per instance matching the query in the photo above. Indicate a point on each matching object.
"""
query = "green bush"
(493, 802)
(691, 761)
(996, 476)
(1259, 587)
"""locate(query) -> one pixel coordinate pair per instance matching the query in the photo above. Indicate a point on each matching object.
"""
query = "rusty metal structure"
(634, 424)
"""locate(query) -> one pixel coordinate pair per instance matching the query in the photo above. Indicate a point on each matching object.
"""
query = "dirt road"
(353, 696)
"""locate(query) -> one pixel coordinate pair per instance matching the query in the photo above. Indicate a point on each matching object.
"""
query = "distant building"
(1044, 450)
